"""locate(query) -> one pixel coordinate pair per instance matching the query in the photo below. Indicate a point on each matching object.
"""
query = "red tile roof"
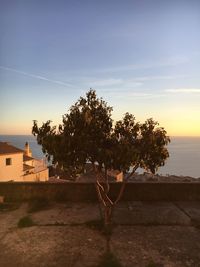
(27, 158)
(6, 148)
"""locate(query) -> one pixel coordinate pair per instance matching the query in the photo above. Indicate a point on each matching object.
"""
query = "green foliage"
(153, 142)
(83, 135)
(109, 260)
(140, 145)
(25, 222)
(126, 136)
(87, 134)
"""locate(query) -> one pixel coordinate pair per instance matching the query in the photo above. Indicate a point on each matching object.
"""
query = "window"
(8, 161)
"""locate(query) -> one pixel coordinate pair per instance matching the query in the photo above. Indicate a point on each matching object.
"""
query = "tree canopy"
(88, 134)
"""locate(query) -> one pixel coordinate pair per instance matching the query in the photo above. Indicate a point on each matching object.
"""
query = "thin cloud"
(37, 76)
(184, 90)
(158, 77)
(106, 83)
(119, 83)
(170, 62)
(148, 96)
(131, 94)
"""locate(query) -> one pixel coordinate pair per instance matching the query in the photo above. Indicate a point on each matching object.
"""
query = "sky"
(141, 56)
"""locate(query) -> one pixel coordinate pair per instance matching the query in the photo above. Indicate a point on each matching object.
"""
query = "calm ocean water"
(184, 153)
(20, 140)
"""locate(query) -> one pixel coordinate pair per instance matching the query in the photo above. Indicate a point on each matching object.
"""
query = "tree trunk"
(105, 201)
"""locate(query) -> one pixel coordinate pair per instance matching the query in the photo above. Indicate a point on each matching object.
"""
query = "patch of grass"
(38, 204)
(4, 207)
(9, 206)
(109, 260)
(25, 222)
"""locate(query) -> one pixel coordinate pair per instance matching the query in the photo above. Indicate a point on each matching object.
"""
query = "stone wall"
(20, 191)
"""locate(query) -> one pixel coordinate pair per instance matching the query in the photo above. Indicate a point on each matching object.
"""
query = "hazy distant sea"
(184, 153)
(20, 140)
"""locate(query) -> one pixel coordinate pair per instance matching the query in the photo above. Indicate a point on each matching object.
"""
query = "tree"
(87, 134)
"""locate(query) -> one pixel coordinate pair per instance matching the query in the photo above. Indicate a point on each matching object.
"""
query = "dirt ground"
(61, 237)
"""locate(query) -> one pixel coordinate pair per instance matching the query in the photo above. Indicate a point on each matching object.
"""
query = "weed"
(109, 260)
(153, 264)
(95, 224)
(25, 222)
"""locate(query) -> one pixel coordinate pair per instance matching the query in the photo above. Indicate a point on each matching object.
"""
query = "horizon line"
(33, 135)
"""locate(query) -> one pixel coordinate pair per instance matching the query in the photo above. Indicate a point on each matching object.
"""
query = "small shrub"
(109, 260)
(38, 204)
(153, 264)
(25, 222)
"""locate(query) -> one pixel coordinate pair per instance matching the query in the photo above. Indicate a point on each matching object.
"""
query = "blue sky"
(140, 56)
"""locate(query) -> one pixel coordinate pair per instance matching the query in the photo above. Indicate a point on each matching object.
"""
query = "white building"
(19, 165)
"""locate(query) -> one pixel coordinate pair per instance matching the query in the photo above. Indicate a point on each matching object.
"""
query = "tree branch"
(124, 185)
(104, 196)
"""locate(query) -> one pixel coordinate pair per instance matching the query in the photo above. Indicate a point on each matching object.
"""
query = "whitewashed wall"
(41, 176)
(15, 170)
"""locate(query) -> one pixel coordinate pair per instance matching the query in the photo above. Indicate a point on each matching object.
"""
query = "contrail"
(37, 76)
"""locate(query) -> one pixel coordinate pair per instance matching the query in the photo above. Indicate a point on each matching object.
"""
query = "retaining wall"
(20, 191)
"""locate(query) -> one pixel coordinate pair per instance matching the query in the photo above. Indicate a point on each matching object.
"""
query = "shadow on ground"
(145, 234)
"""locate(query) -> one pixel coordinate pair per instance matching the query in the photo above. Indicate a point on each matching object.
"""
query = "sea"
(184, 153)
